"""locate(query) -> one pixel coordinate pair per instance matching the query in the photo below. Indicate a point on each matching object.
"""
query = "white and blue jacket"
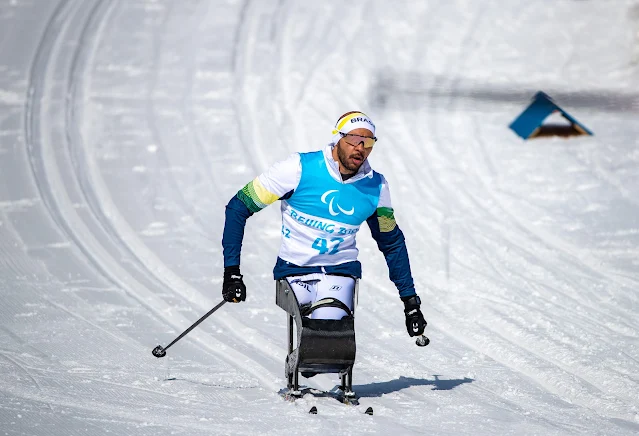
(321, 216)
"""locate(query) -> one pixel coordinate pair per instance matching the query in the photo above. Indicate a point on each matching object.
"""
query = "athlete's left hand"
(415, 322)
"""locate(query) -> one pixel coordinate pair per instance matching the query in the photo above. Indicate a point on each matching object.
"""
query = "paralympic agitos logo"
(332, 203)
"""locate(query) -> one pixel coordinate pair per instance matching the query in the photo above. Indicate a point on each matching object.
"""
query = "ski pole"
(422, 341)
(159, 351)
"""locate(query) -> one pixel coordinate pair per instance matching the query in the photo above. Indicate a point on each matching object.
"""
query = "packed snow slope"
(126, 126)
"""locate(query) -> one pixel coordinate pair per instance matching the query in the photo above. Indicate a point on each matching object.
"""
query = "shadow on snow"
(387, 387)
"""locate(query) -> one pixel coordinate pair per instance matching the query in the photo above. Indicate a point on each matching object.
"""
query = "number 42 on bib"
(330, 247)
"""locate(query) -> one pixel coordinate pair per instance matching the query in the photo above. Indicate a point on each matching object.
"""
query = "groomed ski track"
(125, 127)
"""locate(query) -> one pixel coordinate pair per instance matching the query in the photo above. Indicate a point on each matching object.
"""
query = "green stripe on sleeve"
(249, 198)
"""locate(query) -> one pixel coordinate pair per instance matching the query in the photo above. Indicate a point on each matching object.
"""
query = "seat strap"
(325, 302)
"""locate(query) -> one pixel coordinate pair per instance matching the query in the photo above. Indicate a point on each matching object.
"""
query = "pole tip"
(422, 341)
(159, 351)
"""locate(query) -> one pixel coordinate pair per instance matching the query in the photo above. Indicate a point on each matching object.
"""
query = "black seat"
(320, 345)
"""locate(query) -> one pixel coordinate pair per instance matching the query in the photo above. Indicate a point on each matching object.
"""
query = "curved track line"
(61, 208)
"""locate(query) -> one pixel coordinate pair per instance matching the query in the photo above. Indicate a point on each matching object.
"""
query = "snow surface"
(126, 126)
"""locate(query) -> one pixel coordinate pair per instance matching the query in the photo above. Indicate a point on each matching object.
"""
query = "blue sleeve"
(392, 244)
(236, 215)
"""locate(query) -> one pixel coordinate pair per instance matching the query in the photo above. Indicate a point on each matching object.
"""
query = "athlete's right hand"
(233, 288)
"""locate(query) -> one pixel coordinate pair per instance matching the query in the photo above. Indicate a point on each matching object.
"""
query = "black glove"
(233, 288)
(415, 322)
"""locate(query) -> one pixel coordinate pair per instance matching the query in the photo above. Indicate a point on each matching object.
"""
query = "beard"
(346, 160)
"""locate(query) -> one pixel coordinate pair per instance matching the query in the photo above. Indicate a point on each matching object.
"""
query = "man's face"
(351, 153)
